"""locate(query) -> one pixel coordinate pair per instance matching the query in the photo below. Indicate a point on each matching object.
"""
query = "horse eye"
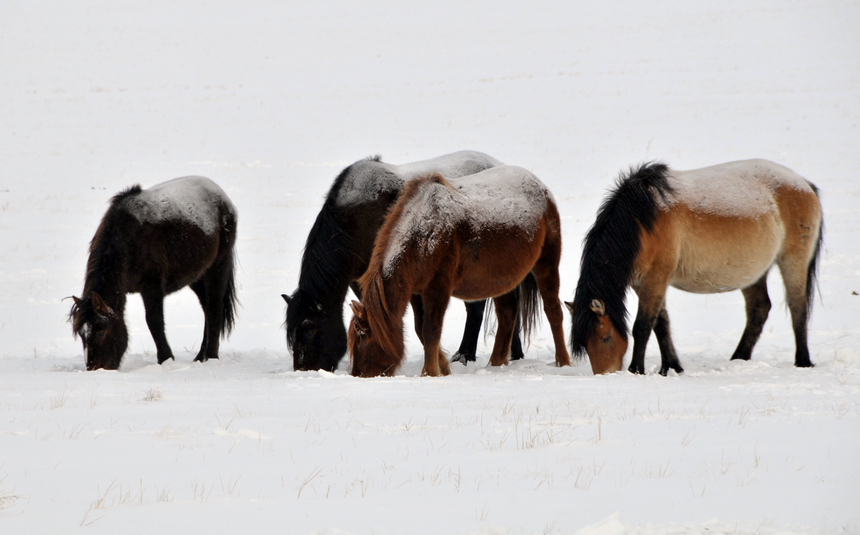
(606, 339)
(101, 335)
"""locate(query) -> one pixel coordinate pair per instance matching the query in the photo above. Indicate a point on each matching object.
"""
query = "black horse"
(154, 242)
(338, 250)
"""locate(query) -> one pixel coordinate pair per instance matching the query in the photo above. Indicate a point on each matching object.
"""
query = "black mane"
(328, 250)
(104, 249)
(611, 246)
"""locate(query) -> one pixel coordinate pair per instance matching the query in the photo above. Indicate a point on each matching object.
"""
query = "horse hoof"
(807, 364)
(464, 359)
(636, 370)
(163, 360)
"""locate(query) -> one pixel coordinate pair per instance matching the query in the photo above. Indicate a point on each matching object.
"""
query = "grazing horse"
(154, 242)
(708, 230)
(338, 250)
(475, 237)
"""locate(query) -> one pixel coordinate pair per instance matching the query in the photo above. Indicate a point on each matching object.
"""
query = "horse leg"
(794, 277)
(516, 341)
(546, 275)
(469, 343)
(215, 281)
(506, 315)
(199, 288)
(153, 303)
(435, 362)
(757, 307)
(418, 316)
(668, 355)
(652, 299)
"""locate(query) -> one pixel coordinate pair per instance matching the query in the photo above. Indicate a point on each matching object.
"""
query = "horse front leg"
(469, 343)
(435, 362)
(153, 303)
(668, 355)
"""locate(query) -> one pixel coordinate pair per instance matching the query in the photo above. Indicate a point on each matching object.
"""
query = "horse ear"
(100, 306)
(597, 307)
(569, 305)
(77, 300)
(286, 298)
(357, 308)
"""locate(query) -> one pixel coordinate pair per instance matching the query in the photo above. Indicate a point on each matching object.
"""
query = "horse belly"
(494, 267)
(721, 254)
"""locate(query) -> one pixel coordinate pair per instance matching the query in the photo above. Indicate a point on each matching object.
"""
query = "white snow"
(735, 189)
(505, 196)
(271, 100)
(194, 199)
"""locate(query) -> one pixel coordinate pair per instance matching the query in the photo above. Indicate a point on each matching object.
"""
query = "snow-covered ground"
(271, 100)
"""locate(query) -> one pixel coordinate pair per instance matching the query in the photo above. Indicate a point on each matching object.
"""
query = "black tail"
(230, 300)
(812, 270)
(530, 305)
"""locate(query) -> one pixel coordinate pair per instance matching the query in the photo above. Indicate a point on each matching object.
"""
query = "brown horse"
(474, 238)
(709, 230)
(155, 242)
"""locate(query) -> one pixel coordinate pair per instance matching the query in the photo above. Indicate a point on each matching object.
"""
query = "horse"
(154, 242)
(710, 230)
(475, 237)
(338, 251)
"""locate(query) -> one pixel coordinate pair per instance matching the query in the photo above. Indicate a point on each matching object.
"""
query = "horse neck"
(107, 274)
(328, 260)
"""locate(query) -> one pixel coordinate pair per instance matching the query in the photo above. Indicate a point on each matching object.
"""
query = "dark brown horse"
(338, 250)
(476, 237)
(154, 242)
(709, 230)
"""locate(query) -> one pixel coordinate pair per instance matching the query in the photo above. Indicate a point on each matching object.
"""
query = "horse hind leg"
(547, 278)
(199, 288)
(668, 355)
(757, 308)
(216, 283)
(469, 344)
(795, 279)
(506, 315)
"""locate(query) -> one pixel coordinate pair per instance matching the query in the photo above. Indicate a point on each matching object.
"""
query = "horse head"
(605, 345)
(317, 339)
(369, 359)
(102, 331)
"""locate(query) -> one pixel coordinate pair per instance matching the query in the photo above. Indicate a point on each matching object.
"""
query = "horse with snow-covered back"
(154, 242)
(338, 251)
(476, 237)
(709, 230)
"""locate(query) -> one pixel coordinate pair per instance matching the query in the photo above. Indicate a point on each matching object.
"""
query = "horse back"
(726, 225)
(173, 232)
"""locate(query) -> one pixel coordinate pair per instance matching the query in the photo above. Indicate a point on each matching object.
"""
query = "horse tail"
(812, 269)
(230, 301)
(529, 304)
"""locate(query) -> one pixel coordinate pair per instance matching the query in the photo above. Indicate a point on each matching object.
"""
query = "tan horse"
(709, 230)
(474, 238)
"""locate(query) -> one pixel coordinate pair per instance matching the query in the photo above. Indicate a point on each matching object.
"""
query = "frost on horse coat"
(709, 230)
(475, 237)
(338, 251)
(154, 242)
